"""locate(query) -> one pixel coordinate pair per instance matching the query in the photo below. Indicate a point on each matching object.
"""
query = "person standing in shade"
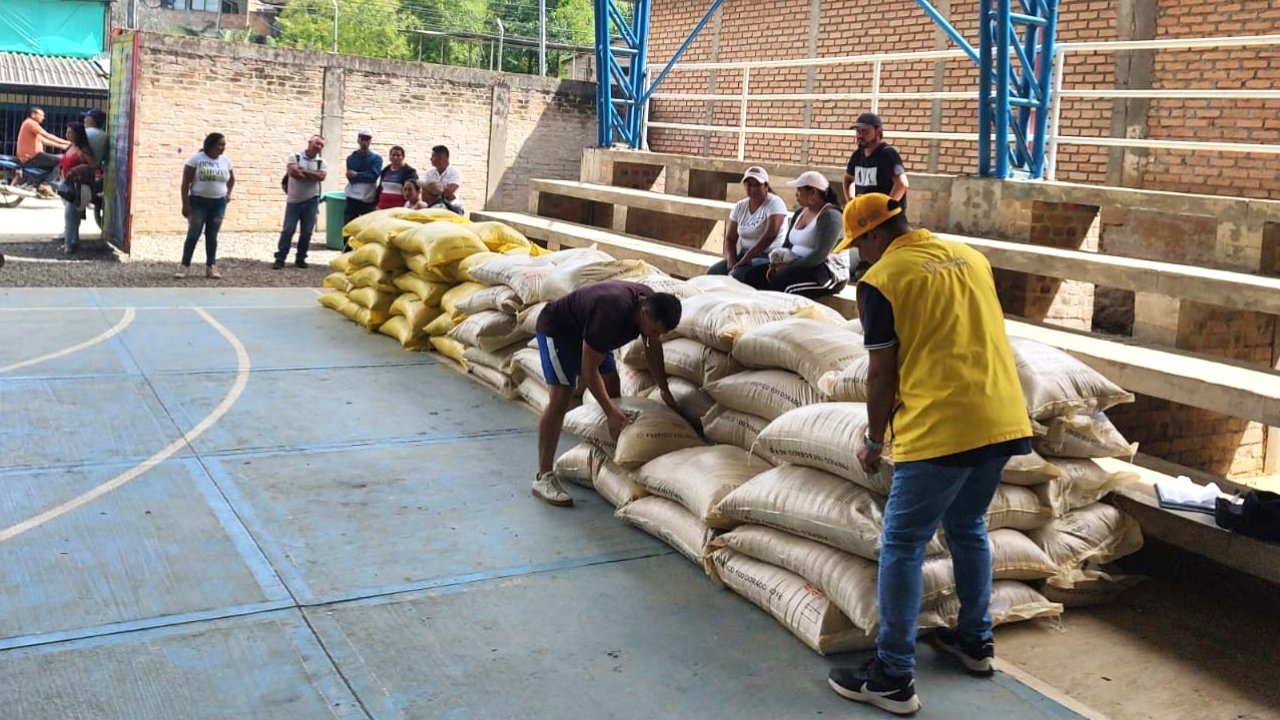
(448, 176)
(874, 166)
(305, 171)
(942, 381)
(755, 227)
(364, 167)
(207, 182)
(577, 335)
(392, 179)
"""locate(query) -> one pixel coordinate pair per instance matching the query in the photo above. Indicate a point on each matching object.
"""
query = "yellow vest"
(958, 387)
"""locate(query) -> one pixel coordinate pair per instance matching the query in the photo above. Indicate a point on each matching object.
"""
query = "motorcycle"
(17, 183)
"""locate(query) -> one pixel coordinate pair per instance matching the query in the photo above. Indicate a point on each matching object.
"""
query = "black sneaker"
(277, 265)
(301, 264)
(869, 684)
(978, 656)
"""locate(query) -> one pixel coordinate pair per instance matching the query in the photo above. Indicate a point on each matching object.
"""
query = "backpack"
(284, 181)
(1256, 514)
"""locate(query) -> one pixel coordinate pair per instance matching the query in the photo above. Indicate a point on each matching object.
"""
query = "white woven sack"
(808, 348)
(499, 360)
(634, 382)
(720, 283)
(535, 393)
(573, 275)
(495, 379)
(730, 427)
(763, 393)
(719, 319)
(1017, 507)
(825, 436)
(816, 505)
(798, 605)
(1030, 469)
(523, 274)
(1082, 436)
(1056, 384)
(580, 464)
(527, 319)
(488, 330)
(1083, 483)
(667, 284)
(1097, 533)
(670, 523)
(849, 384)
(617, 485)
(526, 363)
(655, 430)
(684, 358)
(699, 478)
(497, 297)
(1011, 601)
(577, 256)
(691, 401)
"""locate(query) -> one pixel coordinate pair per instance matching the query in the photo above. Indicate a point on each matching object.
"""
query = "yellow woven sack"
(441, 243)
(399, 328)
(362, 223)
(500, 237)
(334, 300)
(414, 310)
(371, 299)
(337, 281)
(372, 277)
(442, 325)
(342, 263)
(537, 250)
(451, 299)
(433, 215)
(382, 232)
(427, 291)
(449, 348)
(371, 319)
(461, 270)
(382, 257)
(418, 266)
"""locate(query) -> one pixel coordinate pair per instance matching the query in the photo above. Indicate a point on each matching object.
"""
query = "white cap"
(757, 173)
(811, 178)
(364, 132)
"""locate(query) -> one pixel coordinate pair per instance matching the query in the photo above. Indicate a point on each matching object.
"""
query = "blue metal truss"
(1015, 82)
(622, 49)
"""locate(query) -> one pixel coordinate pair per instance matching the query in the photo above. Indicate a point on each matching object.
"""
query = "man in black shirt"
(875, 166)
(577, 335)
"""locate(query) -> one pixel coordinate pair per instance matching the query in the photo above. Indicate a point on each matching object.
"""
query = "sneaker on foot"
(978, 656)
(869, 684)
(277, 265)
(211, 271)
(546, 487)
(182, 272)
(302, 264)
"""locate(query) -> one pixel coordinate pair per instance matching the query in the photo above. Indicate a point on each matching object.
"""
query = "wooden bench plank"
(717, 210)
(1199, 381)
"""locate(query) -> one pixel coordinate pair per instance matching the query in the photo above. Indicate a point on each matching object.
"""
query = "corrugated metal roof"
(46, 71)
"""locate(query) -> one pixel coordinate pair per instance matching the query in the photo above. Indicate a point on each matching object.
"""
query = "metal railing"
(875, 94)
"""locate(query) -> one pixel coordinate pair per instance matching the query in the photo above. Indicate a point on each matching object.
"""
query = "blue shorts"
(562, 360)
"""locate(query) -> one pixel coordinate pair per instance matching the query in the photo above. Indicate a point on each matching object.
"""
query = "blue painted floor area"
(347, 533)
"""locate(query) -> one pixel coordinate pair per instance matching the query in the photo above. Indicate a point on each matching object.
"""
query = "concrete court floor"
(346, 532)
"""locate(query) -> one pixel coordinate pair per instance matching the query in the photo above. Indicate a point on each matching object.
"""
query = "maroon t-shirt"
(603, 314)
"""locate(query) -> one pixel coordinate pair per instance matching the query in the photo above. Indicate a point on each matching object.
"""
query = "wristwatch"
(872, 445)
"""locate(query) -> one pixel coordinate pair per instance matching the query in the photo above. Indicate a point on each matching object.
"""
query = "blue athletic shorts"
(562, 360)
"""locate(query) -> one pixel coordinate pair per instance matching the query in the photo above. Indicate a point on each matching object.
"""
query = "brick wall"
(268, 101)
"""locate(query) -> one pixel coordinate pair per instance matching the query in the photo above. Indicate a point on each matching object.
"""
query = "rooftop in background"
(52, 73)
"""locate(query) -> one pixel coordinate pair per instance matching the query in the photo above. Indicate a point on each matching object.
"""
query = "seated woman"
(805, 264)
(433, 196)
(413, 196)
(755, 227)
(393, 179)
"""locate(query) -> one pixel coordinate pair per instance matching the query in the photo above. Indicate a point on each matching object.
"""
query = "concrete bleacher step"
(1223, 288)
(1198, 381)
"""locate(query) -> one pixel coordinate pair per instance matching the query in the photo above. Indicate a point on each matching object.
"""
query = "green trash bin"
(335, 205)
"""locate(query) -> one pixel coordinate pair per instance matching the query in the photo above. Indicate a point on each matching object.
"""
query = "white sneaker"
(546, 487)
(182, 272)
(211, 271)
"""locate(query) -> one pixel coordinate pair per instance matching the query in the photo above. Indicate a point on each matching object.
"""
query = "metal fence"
(1062, 90)
(59, 110)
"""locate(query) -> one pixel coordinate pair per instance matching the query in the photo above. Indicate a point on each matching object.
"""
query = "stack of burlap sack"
(778, 509)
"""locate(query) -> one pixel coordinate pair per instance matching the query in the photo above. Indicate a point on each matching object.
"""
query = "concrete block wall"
(756, 29)
(501, 129)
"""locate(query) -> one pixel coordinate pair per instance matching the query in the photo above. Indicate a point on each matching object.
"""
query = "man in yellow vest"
(943, 384)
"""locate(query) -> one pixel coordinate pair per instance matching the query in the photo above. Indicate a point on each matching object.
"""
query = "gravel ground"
(244, 259)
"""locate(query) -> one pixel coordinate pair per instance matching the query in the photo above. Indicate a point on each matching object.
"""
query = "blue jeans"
(205, 216)
(303, 213)
(739, 274)
(70, 225)
(923, 494)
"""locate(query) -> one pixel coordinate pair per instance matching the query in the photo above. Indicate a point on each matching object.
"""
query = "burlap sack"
(691, 401)
(825, 436)
(1087, 587)
(617, 485)
(699, 478)
(1011, 601)
(655, 430)
(527, 319)
(730, 427)
(808, 348)
(499, 360)
(1030, 469)
(1017, 507)
(763, 393)
(494, 379)
(1056, 384)
(670, 523)
(1082, 436)
(718, 319)
(534, 392)
(488, 330)
(498, 297)
(685, 358)
(580, 464)
(666, 284)
(571, 276)
(1097, 533)
(847, 385)
(1083, 482)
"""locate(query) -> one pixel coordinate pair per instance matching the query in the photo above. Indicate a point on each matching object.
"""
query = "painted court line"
(237, 388)
(124, 323)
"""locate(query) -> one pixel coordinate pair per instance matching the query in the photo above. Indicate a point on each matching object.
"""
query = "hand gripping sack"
(699, 478)
(1056, 384)
(815, 505)
(670, 523)
(766, 394)
(655, 430)
(685, 358)
(825, 436)
(691, 402)
(808, 348)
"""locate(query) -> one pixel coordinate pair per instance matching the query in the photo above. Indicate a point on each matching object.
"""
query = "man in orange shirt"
(33, 139)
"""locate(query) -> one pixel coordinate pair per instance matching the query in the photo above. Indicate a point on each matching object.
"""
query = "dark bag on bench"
(1257, 515)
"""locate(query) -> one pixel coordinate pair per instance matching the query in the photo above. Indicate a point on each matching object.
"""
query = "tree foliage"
(373, 28)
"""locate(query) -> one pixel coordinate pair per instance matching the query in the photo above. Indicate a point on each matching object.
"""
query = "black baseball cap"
(866, 120)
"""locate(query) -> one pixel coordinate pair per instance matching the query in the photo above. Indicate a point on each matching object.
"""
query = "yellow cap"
(863, 214)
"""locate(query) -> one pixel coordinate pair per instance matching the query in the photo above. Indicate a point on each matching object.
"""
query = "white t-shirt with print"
(751, 225)
(212, 175)
(450, 176)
